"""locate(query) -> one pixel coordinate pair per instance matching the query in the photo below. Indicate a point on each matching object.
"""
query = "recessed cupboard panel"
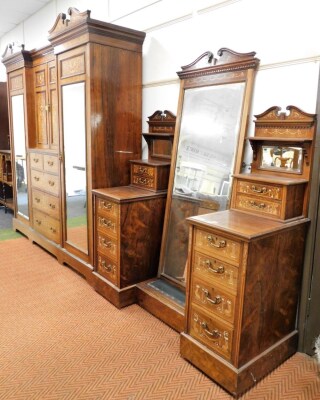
(74, 136)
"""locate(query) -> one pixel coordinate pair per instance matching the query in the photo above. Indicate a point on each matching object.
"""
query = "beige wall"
(284, 34)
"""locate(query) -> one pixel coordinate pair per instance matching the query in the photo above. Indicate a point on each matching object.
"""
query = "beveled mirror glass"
(213, 108)
(19, 141)
(74, 136)
(282, 158)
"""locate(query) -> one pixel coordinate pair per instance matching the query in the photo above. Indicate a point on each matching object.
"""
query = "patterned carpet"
(60, 340)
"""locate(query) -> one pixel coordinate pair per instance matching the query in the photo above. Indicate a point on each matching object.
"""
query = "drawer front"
(36, 160)
(260, 190)
(47, 182)
(107, 208)
(143, 181)
(218, 246)
(213, 299)
(107, 246)
(50, 164)
(46, 225)
(143, 170)
(107, 268)
(46, 202)
(215, 271)
(259, 206)
(107, 225)
(216, 335)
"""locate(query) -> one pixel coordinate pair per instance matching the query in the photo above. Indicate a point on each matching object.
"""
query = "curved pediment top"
(195, 64)
(63, 22)
(12, 48)
(229, 56)
(162, 116)
(293, 113)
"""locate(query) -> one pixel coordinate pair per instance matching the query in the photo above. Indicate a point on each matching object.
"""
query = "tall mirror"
(75, 171)
(212, 114)
(20, 159)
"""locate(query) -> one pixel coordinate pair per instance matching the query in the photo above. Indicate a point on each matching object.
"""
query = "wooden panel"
(264, 207)
(106, 225)
(16, 82)
(260, 189)
(41, 117)
(107, 208)
(40, 77)
(143, 181)
(47, 182)
(54, 118)
(107, 246)
(73, 65)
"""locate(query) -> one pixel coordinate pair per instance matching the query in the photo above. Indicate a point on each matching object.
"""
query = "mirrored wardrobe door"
(20, 156)
(75, 170)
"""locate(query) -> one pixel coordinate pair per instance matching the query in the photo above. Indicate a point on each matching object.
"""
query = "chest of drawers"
(242, 294)
(150, 174)
(45, 194)
(280, 198)
(127, 236)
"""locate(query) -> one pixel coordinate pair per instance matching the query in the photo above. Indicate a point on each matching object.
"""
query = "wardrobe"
(75, 120)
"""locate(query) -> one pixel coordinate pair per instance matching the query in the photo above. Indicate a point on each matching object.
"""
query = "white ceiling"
(13, 12)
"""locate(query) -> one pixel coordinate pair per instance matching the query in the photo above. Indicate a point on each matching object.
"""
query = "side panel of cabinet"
(41, 107)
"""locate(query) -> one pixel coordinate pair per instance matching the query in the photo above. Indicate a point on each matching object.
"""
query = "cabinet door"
(41, 106)
(53, 117)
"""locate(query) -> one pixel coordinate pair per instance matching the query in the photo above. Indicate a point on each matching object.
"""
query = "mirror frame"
(205, 71)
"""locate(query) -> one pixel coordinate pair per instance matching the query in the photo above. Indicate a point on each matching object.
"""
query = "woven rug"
(60, 340)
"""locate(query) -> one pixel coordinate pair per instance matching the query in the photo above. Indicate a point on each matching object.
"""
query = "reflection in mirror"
(210, 125)
(287, 159)
(17, 106)
(74, 133)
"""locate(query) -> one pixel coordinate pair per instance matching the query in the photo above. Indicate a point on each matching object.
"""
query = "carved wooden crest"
(75, 17)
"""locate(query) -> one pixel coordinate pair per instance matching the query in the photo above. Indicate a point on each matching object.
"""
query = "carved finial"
(11, 47)
(228, 56)
(207, 54)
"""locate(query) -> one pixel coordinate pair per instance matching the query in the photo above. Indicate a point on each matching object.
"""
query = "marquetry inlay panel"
(73, 66)
(52, 75)
(40, 78)
(16, 82)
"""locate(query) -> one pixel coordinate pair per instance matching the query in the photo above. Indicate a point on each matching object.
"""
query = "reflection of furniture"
(245, 266)
(6, 195)
(129, 220)
(205, 131)
(97, 66)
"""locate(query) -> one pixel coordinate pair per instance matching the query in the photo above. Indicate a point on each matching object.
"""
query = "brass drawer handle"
(215, 300)
(109, 268)
(53, 230)
(106, 205)
(215, 334)
(215, 243)
(143, 181)
(50, 163)
(38, 221)
(52, 206)
(36, 178)
(106, 223)
(36, 160)
(51, 183)
(37, 200)
(143, 170)
(257, 205)
(105, 243)
(219, 270)
(256, 189)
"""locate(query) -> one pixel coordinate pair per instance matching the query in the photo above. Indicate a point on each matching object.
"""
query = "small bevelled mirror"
(283, 158)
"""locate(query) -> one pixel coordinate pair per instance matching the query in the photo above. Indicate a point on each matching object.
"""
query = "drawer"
(36, 160)
(260, 189)
(47, 182)
(107, 208)
(143, 170)
(259, 206)
(46, 202)
(217, 245)
(107, 246)
(143, 181)
(107, 225)
(214, 334)
(46, 225)
(50, 164)
(215, 271)
(213, 299)
(107, 268)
